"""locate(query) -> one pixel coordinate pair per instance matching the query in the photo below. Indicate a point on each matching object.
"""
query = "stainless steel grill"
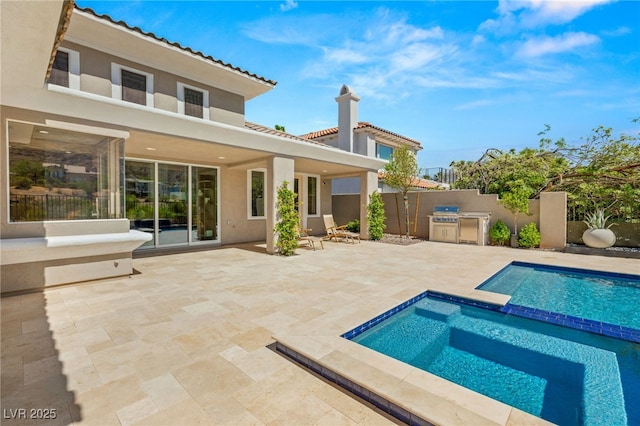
(449, 224)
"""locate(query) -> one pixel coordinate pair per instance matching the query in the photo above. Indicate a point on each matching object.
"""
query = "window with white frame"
(131, 85)
(193, 101)
(383, 152)
(256, 188)
(66, 69)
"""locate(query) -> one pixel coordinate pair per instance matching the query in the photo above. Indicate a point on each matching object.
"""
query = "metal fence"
(440, 175)
(27, 208)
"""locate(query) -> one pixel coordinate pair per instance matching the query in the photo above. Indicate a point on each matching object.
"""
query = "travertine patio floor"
(184, 340)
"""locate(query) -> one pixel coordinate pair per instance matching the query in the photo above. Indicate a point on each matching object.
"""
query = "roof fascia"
(100, 34)
(390, 139)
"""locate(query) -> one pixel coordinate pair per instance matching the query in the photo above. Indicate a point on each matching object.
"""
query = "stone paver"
(185, 339)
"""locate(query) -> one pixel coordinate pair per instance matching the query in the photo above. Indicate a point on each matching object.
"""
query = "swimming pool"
(562, 375)
(591, 295)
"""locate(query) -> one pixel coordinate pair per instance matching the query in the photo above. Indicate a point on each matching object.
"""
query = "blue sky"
(459, 76)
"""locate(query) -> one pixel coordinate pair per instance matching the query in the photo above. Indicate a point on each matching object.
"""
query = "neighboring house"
(158, 133)
(359, 137)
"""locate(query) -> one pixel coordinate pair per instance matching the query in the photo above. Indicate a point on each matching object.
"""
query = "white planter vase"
(599, 238)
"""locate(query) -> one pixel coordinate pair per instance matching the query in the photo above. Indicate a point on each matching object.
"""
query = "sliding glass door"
(172, 204)
(185, 209)
(140, 199)
(204, 204)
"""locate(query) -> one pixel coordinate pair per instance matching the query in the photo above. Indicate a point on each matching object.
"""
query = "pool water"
(566, 376)
(593, 295)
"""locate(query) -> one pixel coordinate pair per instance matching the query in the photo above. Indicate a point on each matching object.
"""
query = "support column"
(553, 220)
(279, 170)
(368, 184)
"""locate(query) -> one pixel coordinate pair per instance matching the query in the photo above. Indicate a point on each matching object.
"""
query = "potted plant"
(598, 235)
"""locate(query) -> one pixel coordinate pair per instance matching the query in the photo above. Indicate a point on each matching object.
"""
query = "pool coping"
(411, 395)
(408, 393)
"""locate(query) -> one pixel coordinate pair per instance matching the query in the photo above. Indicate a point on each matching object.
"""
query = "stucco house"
(115, 139)
(363, 138)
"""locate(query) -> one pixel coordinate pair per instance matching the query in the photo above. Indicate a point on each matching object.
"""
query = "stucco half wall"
(103, 250)
(549, 212)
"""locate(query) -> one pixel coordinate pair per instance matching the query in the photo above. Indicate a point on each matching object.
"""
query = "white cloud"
(344, 56)
(288, 5)
(478, 39)
(548, 45)
(526, 14)
(620, 31)
(544, 12)
(416, 56)
(390, 58)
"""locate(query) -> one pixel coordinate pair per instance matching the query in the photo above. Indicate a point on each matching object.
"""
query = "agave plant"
(597, 220)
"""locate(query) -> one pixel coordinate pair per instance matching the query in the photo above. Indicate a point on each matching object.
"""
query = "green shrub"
(499, 233)
(529, 236)
(376, 216)
(21, 182)
(353, 225)
(287, 226)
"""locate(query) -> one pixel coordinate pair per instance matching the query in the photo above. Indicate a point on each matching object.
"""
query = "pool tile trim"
(383, 316)
(541, 266)
(428, 293)
(596, 327)
(371, 397)
(577, 270)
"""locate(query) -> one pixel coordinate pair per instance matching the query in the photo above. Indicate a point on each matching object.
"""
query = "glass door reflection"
(172, 204)
(140, 198)
(204, 204)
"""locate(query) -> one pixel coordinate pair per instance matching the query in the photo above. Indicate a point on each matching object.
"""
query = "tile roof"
(417, 182)
(271, 131)
(361, 125)
(174, 44)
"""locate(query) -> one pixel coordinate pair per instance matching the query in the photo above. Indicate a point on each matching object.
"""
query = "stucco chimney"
(347, 117)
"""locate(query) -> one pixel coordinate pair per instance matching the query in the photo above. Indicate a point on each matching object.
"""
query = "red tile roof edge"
(174, 44)
(361, 125)
(417, 182)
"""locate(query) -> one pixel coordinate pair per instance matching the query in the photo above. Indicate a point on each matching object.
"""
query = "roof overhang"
(118, 40)
(388, 138)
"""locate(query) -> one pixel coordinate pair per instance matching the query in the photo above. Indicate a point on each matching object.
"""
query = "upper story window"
(193, 101)
(60, 70)
(134, 87)
(66, 69)
(383, 152)
(257, 190)
(131, 85)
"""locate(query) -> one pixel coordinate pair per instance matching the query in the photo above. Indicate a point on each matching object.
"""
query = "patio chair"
(304, 238)
(336, 232)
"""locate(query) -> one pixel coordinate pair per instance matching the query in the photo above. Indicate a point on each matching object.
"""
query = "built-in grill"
(449, 224)
(446, 214)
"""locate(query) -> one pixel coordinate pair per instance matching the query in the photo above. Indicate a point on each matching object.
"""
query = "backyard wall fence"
(549, 212)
